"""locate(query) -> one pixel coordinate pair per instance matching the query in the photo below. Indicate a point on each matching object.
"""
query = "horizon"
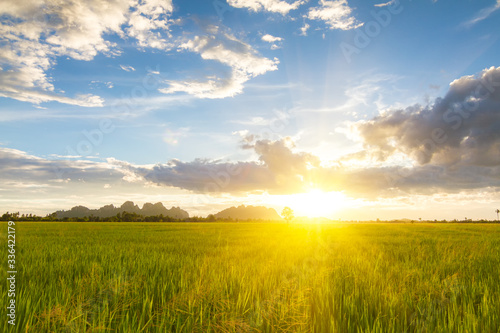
(339, 109)
(295, 219)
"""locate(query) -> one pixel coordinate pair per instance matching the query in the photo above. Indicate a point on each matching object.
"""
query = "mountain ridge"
(148, 209)
(243, 212)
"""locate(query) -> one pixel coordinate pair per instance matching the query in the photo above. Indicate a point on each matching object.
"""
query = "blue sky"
(207, 104)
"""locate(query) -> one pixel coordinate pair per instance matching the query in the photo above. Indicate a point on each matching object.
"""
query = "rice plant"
(251, 277)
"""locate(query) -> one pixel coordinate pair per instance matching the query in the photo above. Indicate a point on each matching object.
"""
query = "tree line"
(120, 217)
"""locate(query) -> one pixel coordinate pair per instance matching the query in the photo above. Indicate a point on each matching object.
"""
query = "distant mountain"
(248, 213)
(147, 209)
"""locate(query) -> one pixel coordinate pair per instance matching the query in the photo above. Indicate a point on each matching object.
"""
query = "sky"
(343, 109)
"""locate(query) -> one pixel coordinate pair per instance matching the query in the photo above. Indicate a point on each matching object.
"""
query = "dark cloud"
(463, 128)
(280, 170)
(205, 176)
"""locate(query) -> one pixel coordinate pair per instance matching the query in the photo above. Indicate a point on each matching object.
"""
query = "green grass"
(186, 277)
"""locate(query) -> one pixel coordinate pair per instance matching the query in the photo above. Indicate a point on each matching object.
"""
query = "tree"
(497, 211)
(287, 214)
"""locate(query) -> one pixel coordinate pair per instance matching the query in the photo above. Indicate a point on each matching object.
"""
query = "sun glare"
(316, 203)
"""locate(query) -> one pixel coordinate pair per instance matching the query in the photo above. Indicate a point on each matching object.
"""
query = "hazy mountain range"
(249, 212)
(241, 212)
(147, 209)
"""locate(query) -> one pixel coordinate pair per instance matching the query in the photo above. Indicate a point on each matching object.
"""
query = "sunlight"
(316, 203)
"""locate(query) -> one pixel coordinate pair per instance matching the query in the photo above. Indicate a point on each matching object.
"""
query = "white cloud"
(127, 68)
(276, 6)
(97, 84)
(147, 21)
(153, 72)
(36, 97)
(303, 30)
(23, 77)
(277, 41)
(483, 14)
(243, 62)
(33, 34)
(271, 39)
(336, 14)
(385, 4)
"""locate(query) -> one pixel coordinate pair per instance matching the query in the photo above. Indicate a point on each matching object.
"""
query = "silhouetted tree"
(498, 212)
(287, 214)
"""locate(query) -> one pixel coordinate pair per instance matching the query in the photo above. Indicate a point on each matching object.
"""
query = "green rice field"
(254, 277)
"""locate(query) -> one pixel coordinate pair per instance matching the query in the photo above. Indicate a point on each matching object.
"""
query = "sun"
(316, 203)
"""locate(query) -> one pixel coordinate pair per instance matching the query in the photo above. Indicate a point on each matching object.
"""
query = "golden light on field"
(316, 203)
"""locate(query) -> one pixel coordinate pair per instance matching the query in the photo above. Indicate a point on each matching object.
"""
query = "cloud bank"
(450, 146)
(462, 128)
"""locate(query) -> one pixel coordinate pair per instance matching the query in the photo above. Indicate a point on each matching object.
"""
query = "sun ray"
(316, 203)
